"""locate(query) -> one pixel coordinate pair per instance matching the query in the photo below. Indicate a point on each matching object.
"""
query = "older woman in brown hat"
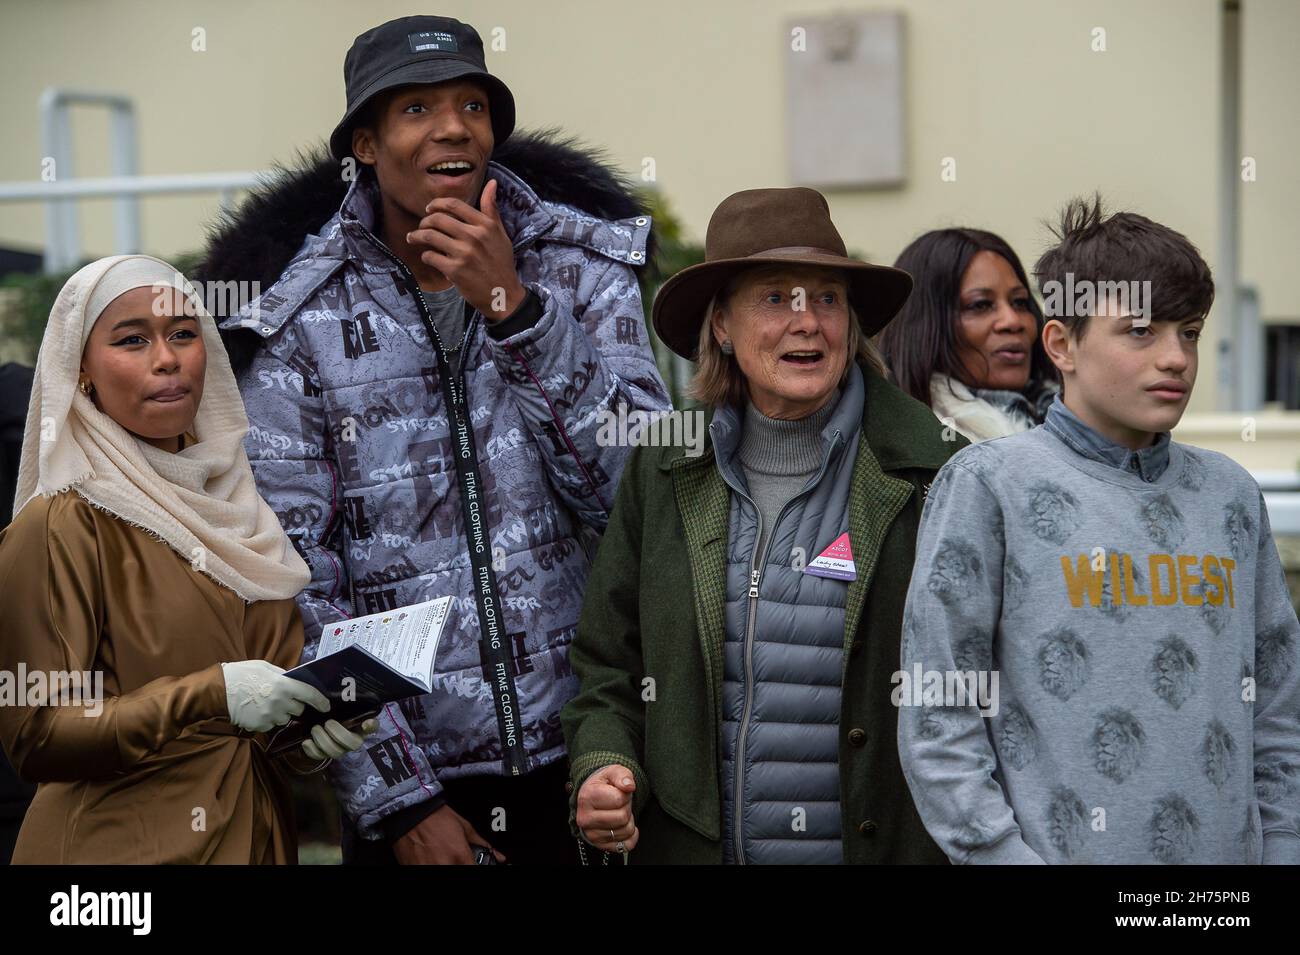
(741, 628)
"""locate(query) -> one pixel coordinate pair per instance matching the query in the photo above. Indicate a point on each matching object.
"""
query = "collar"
(781, 446)
(901, 431)
(728, 422)
(526, 218)
(1025, 404)
(1147, 463)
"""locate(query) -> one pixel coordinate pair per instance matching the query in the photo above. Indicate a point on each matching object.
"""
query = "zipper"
(414, 288)
(738, 764)
(756, 567)
(449, 389)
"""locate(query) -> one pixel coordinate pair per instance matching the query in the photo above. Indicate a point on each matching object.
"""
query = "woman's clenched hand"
(605, 809)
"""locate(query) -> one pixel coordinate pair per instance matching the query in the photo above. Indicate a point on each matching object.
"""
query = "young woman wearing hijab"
(142, 554)
(966, 343)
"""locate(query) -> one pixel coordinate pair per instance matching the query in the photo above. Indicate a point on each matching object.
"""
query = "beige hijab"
(201, 501)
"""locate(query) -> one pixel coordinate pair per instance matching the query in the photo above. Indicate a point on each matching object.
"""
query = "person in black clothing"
(15, 390)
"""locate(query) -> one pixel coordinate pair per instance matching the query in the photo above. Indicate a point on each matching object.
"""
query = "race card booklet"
(366, 662)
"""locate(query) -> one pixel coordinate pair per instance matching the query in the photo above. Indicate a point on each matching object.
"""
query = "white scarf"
(969, 414)
(201, 501)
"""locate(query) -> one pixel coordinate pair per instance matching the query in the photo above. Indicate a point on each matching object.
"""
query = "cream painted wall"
(1009, 88)
(1270, 206)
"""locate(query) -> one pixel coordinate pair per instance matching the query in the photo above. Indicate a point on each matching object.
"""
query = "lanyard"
(494, 646)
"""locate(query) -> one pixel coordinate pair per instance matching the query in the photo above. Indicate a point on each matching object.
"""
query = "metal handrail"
(129, 185)
(62, 228)
(60, 194)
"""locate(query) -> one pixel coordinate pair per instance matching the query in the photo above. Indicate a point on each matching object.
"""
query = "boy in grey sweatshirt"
(1115, 597)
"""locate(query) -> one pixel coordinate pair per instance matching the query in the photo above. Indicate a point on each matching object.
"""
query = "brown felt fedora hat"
(772, 227)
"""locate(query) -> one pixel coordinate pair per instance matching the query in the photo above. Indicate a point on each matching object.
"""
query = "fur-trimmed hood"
(355, 444)
(255, 242)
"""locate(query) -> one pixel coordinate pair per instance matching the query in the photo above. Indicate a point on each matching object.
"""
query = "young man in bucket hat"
(425, 392)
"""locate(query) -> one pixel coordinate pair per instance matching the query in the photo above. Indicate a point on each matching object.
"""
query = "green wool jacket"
(648, 652)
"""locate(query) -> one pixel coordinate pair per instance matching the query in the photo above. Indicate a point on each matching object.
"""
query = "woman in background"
(142, 556)
(967, 341)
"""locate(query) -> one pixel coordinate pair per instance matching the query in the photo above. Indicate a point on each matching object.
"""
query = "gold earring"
(85, 386)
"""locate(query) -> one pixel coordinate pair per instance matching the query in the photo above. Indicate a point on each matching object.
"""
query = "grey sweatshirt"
(447, 310)
(1133, 610)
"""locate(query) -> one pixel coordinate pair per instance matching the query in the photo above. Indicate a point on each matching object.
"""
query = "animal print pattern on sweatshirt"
(1146, 654)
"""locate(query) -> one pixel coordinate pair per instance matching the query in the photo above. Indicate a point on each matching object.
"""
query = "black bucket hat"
(417, 50)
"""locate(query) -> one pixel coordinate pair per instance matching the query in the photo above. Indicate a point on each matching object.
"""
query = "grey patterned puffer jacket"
(350, 444)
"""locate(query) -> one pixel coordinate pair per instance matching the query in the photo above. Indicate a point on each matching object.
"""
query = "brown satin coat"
(161, 775)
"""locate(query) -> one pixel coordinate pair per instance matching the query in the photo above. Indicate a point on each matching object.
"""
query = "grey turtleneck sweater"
(779, 456)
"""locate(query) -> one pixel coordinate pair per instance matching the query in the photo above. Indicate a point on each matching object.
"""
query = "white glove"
(332, 739)
(259, 697)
